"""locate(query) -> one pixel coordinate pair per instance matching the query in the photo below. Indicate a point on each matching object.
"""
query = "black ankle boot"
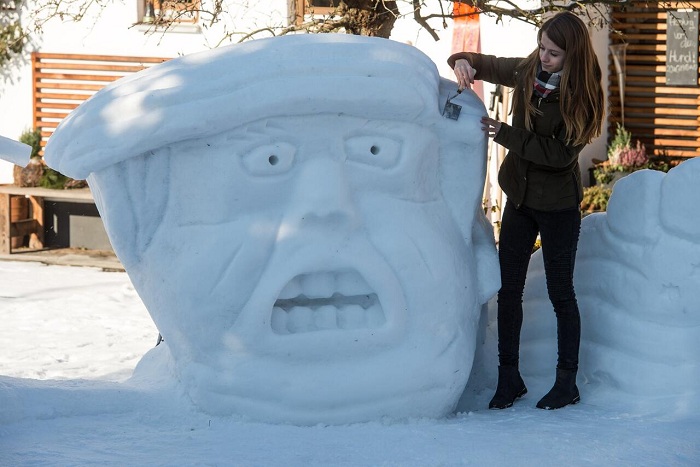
(563, 393)
(510, 387)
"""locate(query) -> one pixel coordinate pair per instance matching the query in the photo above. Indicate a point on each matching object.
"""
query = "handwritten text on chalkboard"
(682, 48)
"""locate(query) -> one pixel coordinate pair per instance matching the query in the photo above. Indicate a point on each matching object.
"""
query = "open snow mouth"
(326, 300)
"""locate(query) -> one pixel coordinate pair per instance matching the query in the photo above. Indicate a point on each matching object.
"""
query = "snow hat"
(210, 92)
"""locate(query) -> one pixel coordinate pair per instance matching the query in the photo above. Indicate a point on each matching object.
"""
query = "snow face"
(301, 222)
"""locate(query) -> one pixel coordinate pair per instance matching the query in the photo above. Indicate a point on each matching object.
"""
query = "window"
(167, 11)
(313, 8)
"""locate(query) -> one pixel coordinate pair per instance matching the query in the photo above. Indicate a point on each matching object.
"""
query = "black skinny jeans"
(559, 233)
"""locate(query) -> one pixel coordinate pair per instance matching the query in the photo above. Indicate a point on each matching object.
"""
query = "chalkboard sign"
(682, 48)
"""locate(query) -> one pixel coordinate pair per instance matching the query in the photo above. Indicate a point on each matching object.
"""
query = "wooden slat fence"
(64, 81)
(665, 118)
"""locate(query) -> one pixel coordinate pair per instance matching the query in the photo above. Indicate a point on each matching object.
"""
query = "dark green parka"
(540, 170)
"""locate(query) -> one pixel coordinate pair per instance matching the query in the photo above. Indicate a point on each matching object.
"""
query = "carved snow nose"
(322, 195)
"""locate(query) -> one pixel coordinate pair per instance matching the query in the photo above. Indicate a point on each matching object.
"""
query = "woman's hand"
(464, 74)
(490, 126)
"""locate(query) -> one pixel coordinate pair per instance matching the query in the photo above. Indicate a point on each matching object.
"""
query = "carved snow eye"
(377, 151)
(270, 159)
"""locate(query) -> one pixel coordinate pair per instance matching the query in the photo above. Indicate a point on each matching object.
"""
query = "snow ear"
(132, 197)
(463, 156)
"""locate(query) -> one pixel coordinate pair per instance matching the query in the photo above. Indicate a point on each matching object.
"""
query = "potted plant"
(623, 158)
(38, 174)
(32, 173)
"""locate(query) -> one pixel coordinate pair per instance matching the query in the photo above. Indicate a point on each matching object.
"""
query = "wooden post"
(5, 223)
(36, 238)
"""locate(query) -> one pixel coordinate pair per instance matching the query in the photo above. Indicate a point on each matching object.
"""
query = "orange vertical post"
(466, 35)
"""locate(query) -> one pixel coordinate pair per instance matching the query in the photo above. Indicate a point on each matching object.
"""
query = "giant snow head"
(300, 219)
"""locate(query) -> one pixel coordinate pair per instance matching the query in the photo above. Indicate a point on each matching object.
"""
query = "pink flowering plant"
(622, 153)
(622, 157)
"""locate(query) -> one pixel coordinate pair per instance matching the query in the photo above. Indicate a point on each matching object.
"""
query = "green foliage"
(663, 163)
(595, 198)
(53, 179)
(12, 41)
(32, 138)
(537, 245)
(605, 173)
(623, 155)
(50, 178)
(621, 140)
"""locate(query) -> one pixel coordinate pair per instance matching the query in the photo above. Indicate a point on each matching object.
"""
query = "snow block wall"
(637, 281)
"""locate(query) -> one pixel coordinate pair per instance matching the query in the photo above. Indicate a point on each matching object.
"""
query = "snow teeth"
(352, 317)
(317, 285)
(323, 301)
(325, 317)
(292, 289)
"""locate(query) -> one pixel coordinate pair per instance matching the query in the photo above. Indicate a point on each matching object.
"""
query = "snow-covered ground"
(71, 337)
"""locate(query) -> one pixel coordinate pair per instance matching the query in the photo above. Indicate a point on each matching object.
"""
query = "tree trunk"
(368, 17)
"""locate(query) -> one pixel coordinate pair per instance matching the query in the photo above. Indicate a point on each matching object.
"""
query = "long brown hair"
(581, 94)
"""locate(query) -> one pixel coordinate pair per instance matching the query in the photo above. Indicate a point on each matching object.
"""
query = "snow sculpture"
(301, 221)
(14, 151)
(638, 284)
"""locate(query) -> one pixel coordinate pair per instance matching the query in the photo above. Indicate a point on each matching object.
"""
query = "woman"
(557, 110)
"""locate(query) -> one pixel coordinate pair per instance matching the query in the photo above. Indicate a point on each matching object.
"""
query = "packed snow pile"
(302, 222)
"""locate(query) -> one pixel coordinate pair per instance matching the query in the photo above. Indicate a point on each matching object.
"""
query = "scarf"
(545, 82)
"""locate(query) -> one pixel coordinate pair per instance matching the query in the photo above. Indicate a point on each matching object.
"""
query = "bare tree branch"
(364, 17)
